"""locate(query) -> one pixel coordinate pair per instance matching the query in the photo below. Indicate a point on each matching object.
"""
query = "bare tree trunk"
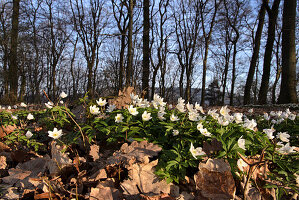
(146, 49)
(278, 69)
(121, 61)
(273, 13)
(204, 74)
(13, 58)
(129, 70)
(288, 78)
(231, 101)
(255, 55)
(227, 57)
(72, 70)
(207, 38)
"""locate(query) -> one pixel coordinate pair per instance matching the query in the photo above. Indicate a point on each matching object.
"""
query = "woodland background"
(210, 51)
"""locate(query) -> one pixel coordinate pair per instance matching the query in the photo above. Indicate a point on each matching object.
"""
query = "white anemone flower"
(190, 107)
(241, 143)
(205, 132)
(55, 134)
(292, 116)
(193, 116)
(283, 136)
(101, 102)
(23, 105)
(94, 110)
(63, 95)
(28, 134)
(250, 124)
(146, 116)
(9, 108)
(269, 132)
(133, 111)
(175, 132)
(214, 114)
(15, 117)
(199, 126)
(134, 98)
(119, 118)
(224, 111)
(30, 116)
(49, 105)
(110, 108)
(250, 110)
(196, 152)
(222, 121)
(161, 116)
(286, 149)
(181, 108)
(238, 118)
(181, 105)
(199, 108)
(173, 118)
(241, 164)
(266, 116)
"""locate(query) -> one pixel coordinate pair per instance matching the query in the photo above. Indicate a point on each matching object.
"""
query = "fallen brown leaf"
(4, 147)
(142, 179)
(123, 98)
(104, 193)
(5, 130)
(46, 195)
(94, 152)
(214, 180)
(3, 163)
(137, 151)
(157, 197)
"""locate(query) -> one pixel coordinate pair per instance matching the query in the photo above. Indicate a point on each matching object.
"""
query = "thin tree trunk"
(273, 13)
(227, 57)
(255, 55)
(204, 74)
(231, 102)
(121, 61)
(72, 70)
(129, 71)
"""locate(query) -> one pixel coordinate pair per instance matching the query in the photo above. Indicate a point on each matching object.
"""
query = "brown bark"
(207, 37)
(13, 58)
(129, 69)
(288, 78)
(255, 54)
(273, 13)
(121, 19)
(146, 49)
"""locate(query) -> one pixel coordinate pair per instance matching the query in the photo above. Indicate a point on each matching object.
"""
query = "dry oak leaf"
(4, 147)
(20, 176)
(104, 193)
(100, 174)
(123, 98)
(157, 197)
(60, 159)
(3, 163)
(137, 151)
(10, 192)
(214, 180)
(143, 178)
(94, 152)
(5, 130)
(15, 175)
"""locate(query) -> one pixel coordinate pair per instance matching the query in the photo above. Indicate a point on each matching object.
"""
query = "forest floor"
(120, 170)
